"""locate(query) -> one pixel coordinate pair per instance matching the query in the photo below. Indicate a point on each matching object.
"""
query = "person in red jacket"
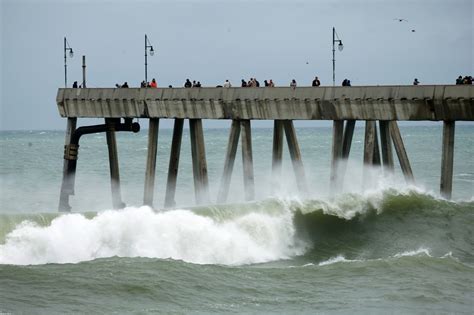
(153, 83)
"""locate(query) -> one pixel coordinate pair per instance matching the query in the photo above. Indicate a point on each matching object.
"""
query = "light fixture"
(152, 52)
(67, 48)
(340, 47)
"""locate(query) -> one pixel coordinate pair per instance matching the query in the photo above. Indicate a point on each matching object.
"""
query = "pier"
(378, 107)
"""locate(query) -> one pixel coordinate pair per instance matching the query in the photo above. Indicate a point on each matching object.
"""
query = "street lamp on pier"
(152, 52)
(71, 54)
(340, 46)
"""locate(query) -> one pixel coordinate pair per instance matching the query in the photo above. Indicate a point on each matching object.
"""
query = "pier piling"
(174, 163)
(369, 142)
(447, 159)
(247, 160)
(66, 188)
(277, 150)
(198, 152)
(376, 160)
(386, 145)
(151, 162)
(401, 152)
(229, 161)
(113, 163)
(347, 139)
(336, 153)
(295, 155)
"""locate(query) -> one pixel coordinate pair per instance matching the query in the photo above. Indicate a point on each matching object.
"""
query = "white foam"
(417, 252)
(337, 259)
(141, 232)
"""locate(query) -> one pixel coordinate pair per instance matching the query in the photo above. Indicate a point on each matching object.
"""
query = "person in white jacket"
(227, 84)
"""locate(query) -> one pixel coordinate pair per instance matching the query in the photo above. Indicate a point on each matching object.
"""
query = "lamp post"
(340, 46)
(152, 52)
(71, 54)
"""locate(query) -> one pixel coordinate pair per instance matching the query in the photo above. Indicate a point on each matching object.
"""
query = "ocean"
(379, 247)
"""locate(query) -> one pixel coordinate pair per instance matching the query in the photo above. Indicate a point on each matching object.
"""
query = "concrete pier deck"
(427, 102)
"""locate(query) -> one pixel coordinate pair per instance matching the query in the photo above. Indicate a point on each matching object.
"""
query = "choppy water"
(385, 247)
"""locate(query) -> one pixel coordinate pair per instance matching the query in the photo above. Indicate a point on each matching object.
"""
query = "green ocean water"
(386, 247)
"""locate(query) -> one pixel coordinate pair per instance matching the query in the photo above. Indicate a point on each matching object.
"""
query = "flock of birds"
(403, 20)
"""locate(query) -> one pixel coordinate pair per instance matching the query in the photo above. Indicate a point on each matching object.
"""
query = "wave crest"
(141, 232)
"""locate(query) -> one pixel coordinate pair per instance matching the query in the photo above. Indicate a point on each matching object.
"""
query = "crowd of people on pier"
(465, 80)
(253, 82)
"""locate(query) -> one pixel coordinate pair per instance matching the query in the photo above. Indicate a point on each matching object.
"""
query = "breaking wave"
(349, 227)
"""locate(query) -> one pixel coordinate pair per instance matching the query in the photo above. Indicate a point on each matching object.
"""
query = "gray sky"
(211, 41)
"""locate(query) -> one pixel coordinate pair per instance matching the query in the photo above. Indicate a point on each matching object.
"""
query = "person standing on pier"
(74, 85)
(316, 82)
(271, 84)
(227, 84)
(266, 83)
(153, 83)
(244, 84)
(416, 82)
(293, 84)
(188, 84)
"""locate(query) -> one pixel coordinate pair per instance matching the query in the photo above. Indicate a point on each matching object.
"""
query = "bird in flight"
(401, 20)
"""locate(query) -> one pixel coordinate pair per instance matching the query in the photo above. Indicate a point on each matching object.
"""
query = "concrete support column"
(336, 153)
(229, 161)
(247, 160)
(174, 163)
(447, 159)
(277, 151)
(401, 152)
(198, 152)
(376, 160)
(151, 162)
(369, 142)
(113, 163)
(295, 155)
(67, 186)
(347, 139)
(386, 145)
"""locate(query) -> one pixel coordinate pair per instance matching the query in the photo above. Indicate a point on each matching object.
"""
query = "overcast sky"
(211, 41)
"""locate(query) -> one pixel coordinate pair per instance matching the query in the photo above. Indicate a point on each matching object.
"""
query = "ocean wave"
(141, 232)
(348, 227)
(420, 253)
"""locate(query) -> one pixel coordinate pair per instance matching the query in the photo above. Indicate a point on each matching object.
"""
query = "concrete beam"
(430, 102)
